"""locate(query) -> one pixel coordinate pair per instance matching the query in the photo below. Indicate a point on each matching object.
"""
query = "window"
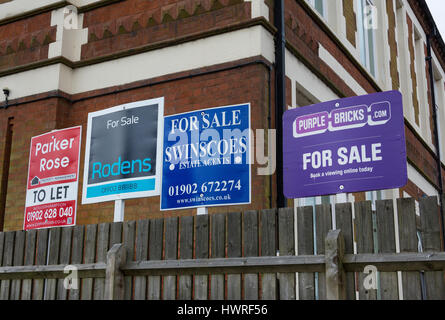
(319, 5)
(438, 83)
(366, 26)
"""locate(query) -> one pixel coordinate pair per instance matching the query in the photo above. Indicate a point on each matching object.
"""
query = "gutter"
(429, 60)
(280, 95)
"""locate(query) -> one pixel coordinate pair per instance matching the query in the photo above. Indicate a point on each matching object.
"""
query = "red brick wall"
(212, 90)
(420, 156)
(413, 69)
(26, 40)
(351, 20)
(305, 34)
(133, 23)
(29, 120)
(392, 45)
(412, 190)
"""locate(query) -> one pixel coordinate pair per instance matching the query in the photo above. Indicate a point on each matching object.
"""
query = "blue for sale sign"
(206, 160)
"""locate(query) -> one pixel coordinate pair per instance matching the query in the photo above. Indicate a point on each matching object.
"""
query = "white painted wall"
(19, 7)
(245, 43)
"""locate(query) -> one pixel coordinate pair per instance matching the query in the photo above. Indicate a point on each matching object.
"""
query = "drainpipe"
(280, 95)
(429, 59)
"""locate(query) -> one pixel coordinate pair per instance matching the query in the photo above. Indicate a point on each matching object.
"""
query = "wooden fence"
(250, 255)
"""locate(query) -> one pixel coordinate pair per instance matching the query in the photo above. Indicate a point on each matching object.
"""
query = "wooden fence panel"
(305, 235)
(171, 253)
(218, 235)
(129, 230)
(90, 256)
(103, 236)
(343, 218)
(19, 252)
(30, 251)
(235, 235)
(41, 252)
(64, 258)
(234, 250)
(155, 253)
(406, 212)
(250, 237)
(116, 229)
(2, 242)
(76, 257)
(430, 233)
(268, 249)
(323, 224)
(140, 282)
(386, 244)
(8, 251)
(201, 252)
(286, 246)
(186, 235)
(365, 242)
(53, 258)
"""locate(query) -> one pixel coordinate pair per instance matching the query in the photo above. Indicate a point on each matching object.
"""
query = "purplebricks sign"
(348, 145)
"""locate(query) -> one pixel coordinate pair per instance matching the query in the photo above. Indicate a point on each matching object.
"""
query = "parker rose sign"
(348, 145)
(53, 175)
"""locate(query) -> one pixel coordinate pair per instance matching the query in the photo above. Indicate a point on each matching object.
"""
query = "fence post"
(114, 279)
(335, 274)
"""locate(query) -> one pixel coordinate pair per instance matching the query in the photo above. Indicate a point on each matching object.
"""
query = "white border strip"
(232, 46)
(331, 61)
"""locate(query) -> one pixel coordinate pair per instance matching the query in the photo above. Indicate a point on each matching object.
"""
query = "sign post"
(123, 154)
(119, 210)
(207, 159)
(348, 145)
(52, 183)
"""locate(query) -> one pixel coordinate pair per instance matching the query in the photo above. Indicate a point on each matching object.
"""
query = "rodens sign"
(123, 153)
(347, 145)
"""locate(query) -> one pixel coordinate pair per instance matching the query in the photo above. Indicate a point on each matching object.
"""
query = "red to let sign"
(51, 191)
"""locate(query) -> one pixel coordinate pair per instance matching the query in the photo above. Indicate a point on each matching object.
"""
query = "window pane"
(319, 6)
(371, 66)
(325, 199)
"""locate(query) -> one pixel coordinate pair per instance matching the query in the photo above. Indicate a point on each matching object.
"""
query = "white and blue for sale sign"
(206, 159)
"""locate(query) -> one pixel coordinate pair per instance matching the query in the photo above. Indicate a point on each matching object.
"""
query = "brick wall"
(132, 23)
(413, 69)
(26, 41)
(412, 190)
(351, 20)
(211, 90)
(420, 157)
(306, 35)
(392, 45)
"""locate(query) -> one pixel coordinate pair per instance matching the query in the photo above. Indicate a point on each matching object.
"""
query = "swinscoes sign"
(51, 196)
(207, 158)
(348, 145)
(124, 152)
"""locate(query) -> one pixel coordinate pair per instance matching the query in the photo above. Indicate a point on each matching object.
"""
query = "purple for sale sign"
(348, 145)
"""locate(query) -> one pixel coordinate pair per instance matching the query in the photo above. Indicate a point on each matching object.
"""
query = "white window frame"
(364, 38)
(323, 4)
